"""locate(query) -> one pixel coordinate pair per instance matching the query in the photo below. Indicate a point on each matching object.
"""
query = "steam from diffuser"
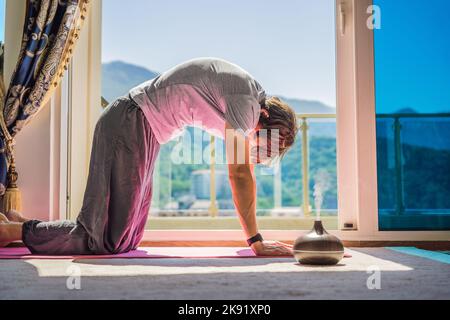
(321, 185)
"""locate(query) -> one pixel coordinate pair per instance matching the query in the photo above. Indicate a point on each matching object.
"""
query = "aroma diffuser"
(318, 247)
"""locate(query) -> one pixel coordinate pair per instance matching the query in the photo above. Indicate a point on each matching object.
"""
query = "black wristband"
(255, 238)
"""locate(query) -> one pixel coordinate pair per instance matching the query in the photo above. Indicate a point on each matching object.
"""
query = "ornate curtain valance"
(50, 30)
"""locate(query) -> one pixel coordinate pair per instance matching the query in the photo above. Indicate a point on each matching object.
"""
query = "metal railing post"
(277, 187)
(400, 206)
(213, 210)
(305, 166)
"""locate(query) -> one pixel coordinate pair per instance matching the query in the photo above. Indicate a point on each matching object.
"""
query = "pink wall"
(33, 164)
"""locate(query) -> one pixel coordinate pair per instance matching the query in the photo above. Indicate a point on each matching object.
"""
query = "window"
(302, 69)
(412, 77)
(288, 47)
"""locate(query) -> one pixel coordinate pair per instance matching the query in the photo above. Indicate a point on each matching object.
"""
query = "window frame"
(355, 125)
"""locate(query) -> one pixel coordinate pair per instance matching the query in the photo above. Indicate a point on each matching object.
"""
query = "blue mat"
(432, 255)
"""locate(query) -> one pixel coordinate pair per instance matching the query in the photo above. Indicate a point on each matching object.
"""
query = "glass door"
(412, 93)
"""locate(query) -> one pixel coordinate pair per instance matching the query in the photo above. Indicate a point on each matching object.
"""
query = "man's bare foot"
(15, 216)
(2, 230)
(6, 224)
(9, 232)
(3, 218)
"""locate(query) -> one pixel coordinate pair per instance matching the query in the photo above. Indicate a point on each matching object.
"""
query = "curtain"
(50, 30)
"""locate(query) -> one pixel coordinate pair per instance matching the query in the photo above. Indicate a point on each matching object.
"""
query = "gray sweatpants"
(118, 192)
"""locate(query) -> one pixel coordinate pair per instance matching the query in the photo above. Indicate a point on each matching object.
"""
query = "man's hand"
(272, 248)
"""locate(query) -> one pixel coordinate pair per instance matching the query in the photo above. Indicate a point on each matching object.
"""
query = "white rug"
(398, 276)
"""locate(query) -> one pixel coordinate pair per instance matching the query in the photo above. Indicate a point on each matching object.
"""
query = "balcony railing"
(305, 207)
(396, 137)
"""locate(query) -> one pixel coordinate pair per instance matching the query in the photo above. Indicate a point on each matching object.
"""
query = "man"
(211, 93)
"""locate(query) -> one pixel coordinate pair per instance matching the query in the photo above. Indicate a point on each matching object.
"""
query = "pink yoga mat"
(144, 253)
(141, 253)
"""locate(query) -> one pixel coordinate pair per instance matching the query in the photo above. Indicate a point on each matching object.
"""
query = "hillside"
(119, 77)
(308, 106)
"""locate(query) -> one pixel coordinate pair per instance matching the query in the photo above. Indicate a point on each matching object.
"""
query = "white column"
(84, 104)
(356, 139)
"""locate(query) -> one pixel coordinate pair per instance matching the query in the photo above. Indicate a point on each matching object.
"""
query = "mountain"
(308, 106)
(119, 77)
(406, 110)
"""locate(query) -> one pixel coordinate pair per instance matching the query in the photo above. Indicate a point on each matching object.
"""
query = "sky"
(288, 46)
(412, 56)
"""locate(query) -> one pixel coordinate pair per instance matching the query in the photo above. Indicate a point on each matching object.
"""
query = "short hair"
(282, 118)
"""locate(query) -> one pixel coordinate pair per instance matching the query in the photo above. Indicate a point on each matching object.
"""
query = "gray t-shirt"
(204, 92)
